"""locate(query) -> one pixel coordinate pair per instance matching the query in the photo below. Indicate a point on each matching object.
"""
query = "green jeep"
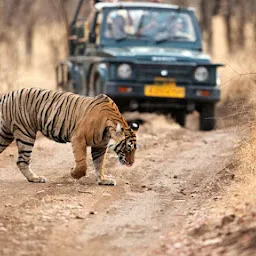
(145, 56)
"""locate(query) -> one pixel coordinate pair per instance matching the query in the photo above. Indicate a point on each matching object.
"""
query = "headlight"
(201, 74)
(103, 66)
(124, 71)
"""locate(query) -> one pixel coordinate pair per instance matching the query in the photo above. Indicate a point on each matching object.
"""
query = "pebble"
(228, 219)
(106, 194)
(178, 245)
(182, 192)
(45, 217)
(155, 228)
(3, 229)
(40, 191)
(79, 217)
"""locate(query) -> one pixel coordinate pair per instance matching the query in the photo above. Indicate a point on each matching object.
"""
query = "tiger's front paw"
(78, 173)
(108, 182)
(37, 179)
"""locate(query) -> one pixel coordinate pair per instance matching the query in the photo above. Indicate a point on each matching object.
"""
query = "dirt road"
(169, 183)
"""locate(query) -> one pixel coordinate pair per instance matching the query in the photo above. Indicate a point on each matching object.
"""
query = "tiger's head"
(124, 143)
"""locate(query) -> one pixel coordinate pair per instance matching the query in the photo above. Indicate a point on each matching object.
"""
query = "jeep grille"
(182, 74)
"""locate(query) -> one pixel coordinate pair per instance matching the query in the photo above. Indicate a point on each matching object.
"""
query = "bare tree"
(206, 13)
(253, 8)
(240, 36)
(29, 29)
(228, 15)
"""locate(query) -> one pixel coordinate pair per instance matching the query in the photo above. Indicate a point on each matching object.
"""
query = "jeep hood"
(157, 54)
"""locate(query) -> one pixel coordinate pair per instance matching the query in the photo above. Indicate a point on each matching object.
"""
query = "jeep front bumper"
(136, 91)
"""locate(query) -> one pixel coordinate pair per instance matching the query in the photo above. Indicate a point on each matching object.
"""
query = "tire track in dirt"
(157, 204)
(167, 184)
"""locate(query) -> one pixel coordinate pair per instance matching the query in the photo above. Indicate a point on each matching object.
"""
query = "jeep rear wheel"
(70, 86)
(207, 116)
(98, 89)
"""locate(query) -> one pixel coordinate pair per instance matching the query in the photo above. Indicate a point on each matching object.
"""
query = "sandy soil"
(172, 181)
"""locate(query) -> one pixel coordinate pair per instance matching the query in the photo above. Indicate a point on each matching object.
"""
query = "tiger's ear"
(134, 126)
(119, 130)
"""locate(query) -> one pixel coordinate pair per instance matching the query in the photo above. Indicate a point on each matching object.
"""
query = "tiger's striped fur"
(66, 117)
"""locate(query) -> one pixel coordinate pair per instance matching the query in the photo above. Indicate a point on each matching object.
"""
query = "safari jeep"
(145, 56)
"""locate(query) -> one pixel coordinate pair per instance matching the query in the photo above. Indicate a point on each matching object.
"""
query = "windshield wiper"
(121, 38)
(170, 38)
(130, 36)
(125, 36)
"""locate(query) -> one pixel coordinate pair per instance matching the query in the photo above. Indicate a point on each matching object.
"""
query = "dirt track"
(167, 186)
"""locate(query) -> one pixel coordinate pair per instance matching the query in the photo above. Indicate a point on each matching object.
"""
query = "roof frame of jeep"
(119, 5)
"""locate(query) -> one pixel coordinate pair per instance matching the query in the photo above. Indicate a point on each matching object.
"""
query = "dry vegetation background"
(33, 38)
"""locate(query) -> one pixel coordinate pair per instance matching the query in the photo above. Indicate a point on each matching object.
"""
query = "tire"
(97, 86)
(207, 117)
(74, 84)
(70, 86)
(180, 117)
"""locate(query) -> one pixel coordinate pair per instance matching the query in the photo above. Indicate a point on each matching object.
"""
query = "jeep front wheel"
(207, 116)
(98, 88)
(180, 117)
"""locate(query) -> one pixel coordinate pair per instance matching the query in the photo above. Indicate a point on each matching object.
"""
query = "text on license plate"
(169, 90)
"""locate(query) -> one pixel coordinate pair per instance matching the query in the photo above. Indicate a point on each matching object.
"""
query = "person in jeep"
(139, 25)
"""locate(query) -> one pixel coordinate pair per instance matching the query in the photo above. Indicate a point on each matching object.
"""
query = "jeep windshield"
(145, 24)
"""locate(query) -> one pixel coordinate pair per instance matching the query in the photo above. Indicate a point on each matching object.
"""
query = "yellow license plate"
(164, 90)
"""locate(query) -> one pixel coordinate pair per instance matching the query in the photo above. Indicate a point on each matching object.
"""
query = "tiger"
(63, 117)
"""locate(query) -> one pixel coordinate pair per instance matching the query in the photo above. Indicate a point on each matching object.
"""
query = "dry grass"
(238, 89)
(245, 188)
(239, 74)
(48, 50)
(237, 107)
(238, 104)
(242, 190)
(247, 156)
(238, 77)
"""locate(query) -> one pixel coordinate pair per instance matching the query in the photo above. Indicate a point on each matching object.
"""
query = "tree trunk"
(60, 7)
(203, 15)
(228, 25)
(241, 24)
(253, 5)
(206, 13)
